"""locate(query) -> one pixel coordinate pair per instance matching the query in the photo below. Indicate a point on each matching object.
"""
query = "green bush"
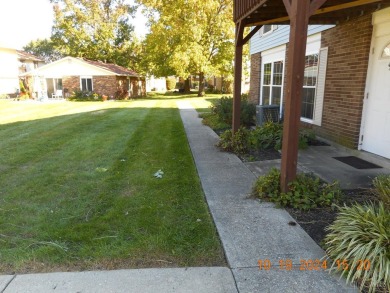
(268, 136)
(382, 188)
(360, 235)
(224, 109)
(213, 121)
(305, 192)
(305, 137)
(85, 96)
(268, 186)
(171, 83)
(236, 143)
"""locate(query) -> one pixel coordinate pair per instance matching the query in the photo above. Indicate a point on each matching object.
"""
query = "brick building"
(346, 94)
(69, 74)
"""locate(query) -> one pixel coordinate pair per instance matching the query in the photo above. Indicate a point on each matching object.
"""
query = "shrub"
(171, 83)
(85, 96)
(210, 89)
(22, 87)
(305, 137)
(268, 186)
(360, 236)
(224, 109)
(121, 94)
(305, 192)
(213, 121)
(236, 143)
(267, 136)
(179, 85)
(382, 188)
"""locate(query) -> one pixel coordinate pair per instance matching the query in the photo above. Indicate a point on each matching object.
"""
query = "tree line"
(187, 37)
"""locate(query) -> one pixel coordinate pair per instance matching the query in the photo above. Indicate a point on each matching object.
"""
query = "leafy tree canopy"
(189, 37)
(95, 29)
(44, 49)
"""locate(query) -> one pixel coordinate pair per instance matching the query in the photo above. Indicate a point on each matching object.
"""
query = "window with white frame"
(86, 83)
(272, 82)
(309, 87)
(267, 29)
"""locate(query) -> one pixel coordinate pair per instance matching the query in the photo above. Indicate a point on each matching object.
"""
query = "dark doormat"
(357, 163)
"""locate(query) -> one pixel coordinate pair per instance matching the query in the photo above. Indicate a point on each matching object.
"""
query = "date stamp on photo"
(311, 265)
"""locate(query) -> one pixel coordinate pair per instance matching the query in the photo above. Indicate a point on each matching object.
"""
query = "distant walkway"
(252, 232)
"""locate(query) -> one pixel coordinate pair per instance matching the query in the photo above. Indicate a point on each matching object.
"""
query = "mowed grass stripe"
(100, 206)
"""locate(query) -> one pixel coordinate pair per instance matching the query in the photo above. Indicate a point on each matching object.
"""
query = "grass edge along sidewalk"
(103, 210)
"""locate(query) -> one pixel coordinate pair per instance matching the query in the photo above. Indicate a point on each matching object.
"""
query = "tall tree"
(44, 49)
(190, 37)
(95, 29)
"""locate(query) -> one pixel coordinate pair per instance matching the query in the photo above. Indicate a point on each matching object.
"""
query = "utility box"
(267, 113)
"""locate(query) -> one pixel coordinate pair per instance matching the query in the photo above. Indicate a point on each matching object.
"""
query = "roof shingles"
(118, 70)
(27, 56)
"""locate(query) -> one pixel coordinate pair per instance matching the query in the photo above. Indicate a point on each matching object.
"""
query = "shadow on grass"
(78, 190)
(177, 95)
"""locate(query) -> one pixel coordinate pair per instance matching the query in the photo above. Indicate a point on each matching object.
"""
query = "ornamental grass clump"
(359, 243)
(382, 188)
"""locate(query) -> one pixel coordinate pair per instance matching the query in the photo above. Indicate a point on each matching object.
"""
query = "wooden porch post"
(237, 76)
(299, 12)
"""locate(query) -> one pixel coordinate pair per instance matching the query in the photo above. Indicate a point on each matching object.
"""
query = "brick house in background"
(346, 95)
(67, 75)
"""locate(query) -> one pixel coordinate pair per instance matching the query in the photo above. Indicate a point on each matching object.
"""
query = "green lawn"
(77, 189)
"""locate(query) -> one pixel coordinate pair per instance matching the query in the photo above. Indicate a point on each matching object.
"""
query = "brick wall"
(254, 88)
(105, 85)
(70, 84)
(108, 85)
(349, 46)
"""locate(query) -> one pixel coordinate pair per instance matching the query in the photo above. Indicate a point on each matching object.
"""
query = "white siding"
(9, 71)
(279, 37)
(68, 67)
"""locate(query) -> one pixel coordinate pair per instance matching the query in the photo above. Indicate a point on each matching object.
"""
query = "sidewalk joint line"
(9, 282)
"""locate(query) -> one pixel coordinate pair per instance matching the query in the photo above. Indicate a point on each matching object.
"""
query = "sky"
(22, 21)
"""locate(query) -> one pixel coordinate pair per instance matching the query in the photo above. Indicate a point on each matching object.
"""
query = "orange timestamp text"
(311, 265)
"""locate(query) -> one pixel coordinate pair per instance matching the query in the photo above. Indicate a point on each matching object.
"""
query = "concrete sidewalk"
(202, 280)
(320, 161)
(250, 232)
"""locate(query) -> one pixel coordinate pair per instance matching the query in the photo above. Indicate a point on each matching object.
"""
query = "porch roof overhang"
(299, 14)
(261, 12)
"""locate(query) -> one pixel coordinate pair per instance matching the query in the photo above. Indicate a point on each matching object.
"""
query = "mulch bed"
(316, 220)
(317, 142)
(260, 155)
